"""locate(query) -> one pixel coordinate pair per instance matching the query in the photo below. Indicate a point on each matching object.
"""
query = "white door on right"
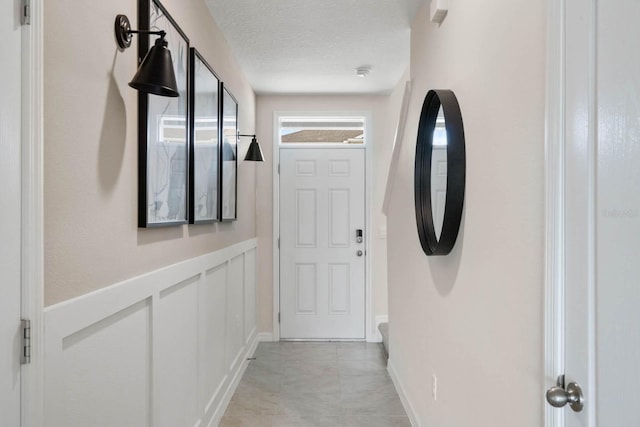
(602, 221)
(322, 268)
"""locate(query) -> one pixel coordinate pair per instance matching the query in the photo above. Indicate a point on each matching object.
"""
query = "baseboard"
(265, 337)
(233, 384)
(411, 413)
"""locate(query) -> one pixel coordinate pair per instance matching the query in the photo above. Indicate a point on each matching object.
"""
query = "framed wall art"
(163, 155)
(204, 148)
(229, 156)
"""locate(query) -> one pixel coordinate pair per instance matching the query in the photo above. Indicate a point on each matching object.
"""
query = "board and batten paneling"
(166, 348)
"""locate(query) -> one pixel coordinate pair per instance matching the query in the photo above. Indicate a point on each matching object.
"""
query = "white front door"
(10, 161)
(322, 263)
(601, 221)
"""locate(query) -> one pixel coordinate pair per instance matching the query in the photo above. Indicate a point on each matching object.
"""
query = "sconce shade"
(254, 153)
(155, 75)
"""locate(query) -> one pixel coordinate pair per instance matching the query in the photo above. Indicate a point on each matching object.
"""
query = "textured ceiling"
(314, 46)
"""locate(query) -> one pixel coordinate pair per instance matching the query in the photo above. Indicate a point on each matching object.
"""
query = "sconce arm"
(124, 32)
(161, 33)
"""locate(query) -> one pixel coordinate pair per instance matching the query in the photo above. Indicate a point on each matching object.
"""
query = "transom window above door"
(335, 130)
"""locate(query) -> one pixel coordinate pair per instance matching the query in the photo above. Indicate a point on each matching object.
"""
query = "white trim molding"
(571, 169)
(555, 208)
(32, 213)
(165, 348)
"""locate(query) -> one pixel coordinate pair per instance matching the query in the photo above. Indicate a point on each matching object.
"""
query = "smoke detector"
(363, 71)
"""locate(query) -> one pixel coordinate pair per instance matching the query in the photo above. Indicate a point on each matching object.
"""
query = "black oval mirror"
(439, 176)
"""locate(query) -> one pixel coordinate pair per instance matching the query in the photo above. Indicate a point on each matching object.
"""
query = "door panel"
(618, 214)
(602, 213)
(578, 224)
(322, 278)
(10, 161)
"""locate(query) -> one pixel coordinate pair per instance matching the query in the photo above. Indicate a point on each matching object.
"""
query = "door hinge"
(278, 317)
(25, 357)
(25, 15)
(278, 243)
(278, 168)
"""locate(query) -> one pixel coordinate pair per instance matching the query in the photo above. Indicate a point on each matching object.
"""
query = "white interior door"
(10, 161)
(602, 211)
(322, 264)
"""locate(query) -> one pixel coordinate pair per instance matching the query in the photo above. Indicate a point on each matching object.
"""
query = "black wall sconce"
(254, 153)
(155, 74)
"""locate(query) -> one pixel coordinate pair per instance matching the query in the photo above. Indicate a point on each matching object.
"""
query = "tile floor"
(316, 384)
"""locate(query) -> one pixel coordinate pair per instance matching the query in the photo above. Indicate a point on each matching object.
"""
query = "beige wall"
(91, 234)
(474, 318)
(384, 111)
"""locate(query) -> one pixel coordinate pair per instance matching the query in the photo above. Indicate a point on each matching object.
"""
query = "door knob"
(558, 396)
(359, 252)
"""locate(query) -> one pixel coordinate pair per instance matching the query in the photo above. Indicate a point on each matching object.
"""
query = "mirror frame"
(456, 167)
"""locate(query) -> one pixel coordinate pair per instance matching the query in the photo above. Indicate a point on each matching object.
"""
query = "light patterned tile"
(318, 384)
(246, 421)
(361, 367)
(376, 421)
(310, 351)
(252, 402)
(360, 351)
(311, 367)
(270, 347)
(372, 404)
(261, 366)
(301, 405)
(320, 421)
(264, 382)
(269, 351)
(371, 383)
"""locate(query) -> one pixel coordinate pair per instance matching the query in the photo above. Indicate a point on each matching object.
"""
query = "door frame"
(554, 336)
(370, 335)
(32, 230)
(556, 146)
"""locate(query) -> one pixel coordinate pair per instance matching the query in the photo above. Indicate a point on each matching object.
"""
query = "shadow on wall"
(113, 136)
(202, 229)
(147, 236)
(444, 269)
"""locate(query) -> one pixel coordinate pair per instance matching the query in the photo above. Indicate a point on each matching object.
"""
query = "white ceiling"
(314, 46)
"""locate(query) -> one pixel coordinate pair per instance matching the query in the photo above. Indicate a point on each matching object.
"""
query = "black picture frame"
(229, 157)
(204, 141)
(456, 170)
(163, 122)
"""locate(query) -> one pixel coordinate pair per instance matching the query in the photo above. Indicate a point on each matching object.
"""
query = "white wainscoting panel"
(250, 295)
(176, 379)
(235, 317)
(163, 349)
(213, 360)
